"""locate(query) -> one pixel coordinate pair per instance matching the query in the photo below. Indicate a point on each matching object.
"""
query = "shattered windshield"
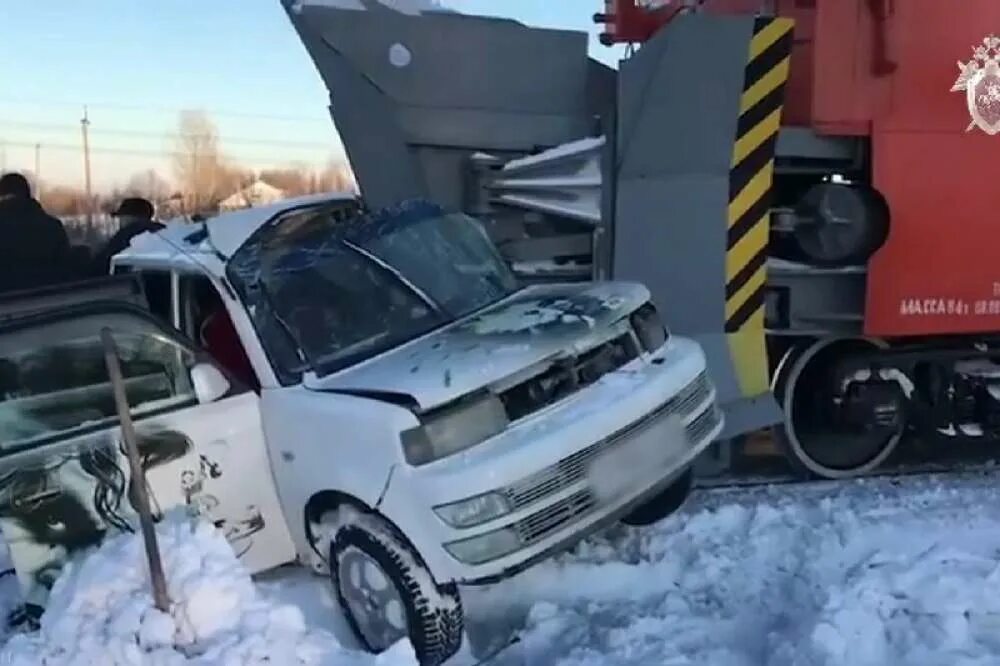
(325, 292)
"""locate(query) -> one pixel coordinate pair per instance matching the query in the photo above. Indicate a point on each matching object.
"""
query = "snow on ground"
(864, 573)
(855, 574)
(10, 593)
(101, 612)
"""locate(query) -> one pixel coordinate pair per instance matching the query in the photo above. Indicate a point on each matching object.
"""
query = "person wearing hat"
(135, 216)
(34, 247)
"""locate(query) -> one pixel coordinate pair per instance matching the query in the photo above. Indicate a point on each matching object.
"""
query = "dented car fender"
(327, 441)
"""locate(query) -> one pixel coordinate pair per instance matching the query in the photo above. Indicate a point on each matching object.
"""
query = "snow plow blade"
(699, 109)
(414, 94)
(684, 135)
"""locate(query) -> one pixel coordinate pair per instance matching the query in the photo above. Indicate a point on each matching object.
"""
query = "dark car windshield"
(325, 292)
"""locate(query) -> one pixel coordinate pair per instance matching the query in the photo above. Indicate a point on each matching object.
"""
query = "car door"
(64, 477)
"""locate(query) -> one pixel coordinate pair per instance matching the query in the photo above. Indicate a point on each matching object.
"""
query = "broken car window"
(325, 292)
(54, 382)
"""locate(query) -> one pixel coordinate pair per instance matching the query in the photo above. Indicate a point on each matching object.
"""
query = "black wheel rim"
(829, 447)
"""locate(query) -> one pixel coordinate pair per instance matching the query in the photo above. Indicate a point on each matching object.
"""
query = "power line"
(147, 134)
(163, 109)
(133, 152)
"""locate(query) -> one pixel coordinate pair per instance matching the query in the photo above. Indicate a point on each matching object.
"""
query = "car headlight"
(649, 328)
(485, 547)
(454, 428)
(474, 510)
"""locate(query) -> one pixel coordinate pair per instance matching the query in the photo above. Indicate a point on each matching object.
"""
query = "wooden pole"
(140, 497)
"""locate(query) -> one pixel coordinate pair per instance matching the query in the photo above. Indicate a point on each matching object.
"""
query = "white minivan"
(368, 393)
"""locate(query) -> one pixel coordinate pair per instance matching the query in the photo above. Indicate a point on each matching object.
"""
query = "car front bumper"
(565, 471)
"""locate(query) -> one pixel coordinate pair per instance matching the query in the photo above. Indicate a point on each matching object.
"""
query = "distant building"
(257, 193)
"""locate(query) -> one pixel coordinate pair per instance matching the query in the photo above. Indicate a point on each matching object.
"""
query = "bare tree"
(300, 179)
(63, 200)
(293, 181)
(203, 173)
(336, 177)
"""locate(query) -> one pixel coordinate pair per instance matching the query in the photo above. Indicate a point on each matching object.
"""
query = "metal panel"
(806, 300)
(413, 96)
(490, 130)
(546, 247)
(805, 143)
(679, 102)
(565, 181)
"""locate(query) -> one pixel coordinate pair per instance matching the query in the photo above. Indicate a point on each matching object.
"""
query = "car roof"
(179, 240)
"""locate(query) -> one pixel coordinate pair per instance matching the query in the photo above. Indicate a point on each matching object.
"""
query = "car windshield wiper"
(391, 270)
(330, 363)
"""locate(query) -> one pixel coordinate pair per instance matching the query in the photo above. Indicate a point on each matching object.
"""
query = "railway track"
(758, 461)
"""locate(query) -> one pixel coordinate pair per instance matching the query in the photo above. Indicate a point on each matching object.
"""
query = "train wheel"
(814, 437)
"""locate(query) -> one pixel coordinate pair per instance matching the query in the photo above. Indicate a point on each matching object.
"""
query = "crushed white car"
(390, 407)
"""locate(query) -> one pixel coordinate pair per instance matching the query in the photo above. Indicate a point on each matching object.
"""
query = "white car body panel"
(62, 489)
(228, 436)
(322, 442)
(539, 441)
(227, 231)
(332, 433)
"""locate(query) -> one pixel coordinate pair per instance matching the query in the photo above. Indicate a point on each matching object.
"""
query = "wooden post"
(141, 498)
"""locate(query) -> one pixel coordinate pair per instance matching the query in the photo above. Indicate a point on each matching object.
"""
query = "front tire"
(387, 593)
(664, 504)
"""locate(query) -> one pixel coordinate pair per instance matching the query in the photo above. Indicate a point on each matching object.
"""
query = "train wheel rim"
(794, 436)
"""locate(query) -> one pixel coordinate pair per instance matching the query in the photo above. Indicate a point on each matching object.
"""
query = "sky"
(135, 64)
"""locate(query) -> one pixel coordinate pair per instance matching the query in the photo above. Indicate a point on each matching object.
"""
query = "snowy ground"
(100, 611)
(863, 573)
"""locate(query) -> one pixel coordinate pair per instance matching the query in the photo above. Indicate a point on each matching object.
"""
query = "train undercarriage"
(848, 400)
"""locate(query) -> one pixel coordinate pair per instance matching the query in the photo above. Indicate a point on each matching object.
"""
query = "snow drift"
(101, 612)
(864, 573)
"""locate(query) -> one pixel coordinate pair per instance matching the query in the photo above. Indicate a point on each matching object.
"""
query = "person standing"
(34, 247)
(135, 216)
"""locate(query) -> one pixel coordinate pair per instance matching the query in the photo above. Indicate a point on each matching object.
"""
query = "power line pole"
(38, 164)
(84, 125)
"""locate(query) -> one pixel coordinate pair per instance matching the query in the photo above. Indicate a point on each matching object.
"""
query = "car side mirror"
(209, 383)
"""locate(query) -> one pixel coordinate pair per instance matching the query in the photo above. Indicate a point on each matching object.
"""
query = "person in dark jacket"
(34, 247)
(135, 216)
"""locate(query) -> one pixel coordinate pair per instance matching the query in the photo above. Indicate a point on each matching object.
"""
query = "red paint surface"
(626, 22)
(884, 69)
(890, 79)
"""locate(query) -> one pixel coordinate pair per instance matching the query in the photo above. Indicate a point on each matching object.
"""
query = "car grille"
(563, 513)
(539, 525)
(691, 396)
(573, 468)
(698, 429)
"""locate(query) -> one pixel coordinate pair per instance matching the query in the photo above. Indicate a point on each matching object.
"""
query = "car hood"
(534, 325)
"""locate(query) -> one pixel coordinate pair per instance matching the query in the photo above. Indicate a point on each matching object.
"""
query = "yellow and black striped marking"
(750, 185)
